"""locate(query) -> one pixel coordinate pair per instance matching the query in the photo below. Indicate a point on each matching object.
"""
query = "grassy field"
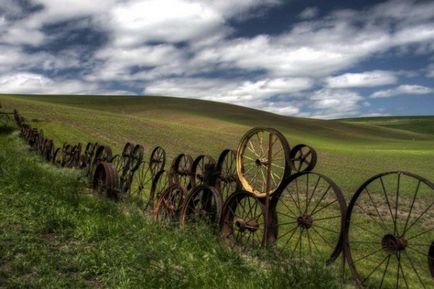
(55, 234)
(350, 151)
(418, 124)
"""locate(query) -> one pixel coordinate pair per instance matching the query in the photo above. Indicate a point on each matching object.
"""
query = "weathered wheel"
(203, 205)
(160, 182)
(169, 204)
(56, 158)
(106, 180)
(263, 161)
(75, 156)
(307, 218)
(198, 169)
(141, 183)
(303, 158)
(181, 171)
(48, 149)
(243, 220)
(157, 161)
(102, 154)
(66, 155)
(389, 232)
(125, 157)
(227, 181)
(136, 157)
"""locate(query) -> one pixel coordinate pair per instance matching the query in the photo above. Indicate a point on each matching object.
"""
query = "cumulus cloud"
(188, 48)
(363, 79)
(404, 89)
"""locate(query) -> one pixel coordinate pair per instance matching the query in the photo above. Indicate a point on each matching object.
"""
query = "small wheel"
(76, 154)
(203, 204)
(199, 170)
(126, 156)
(181, 171)
(263, 161)
(157, 160)
(227, 181)
(307, 218)
(159, 184)
(389, 232)
(243, 220)
(169, 205)
(136, 157)
(56, 157)
(303, 158)
(66, 155)
(106, 180)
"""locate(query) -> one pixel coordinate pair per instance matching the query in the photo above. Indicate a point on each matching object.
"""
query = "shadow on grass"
(5, 130)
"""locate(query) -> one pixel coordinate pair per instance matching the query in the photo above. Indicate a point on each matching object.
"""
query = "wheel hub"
(242, 225)
(305, 221)
(260, 162)
(393, 244)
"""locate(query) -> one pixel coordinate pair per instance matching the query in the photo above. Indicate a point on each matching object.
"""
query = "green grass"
(417, 124)
(54, 233)
(349, 153)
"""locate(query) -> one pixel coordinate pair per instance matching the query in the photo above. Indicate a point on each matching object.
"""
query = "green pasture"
(349, 151)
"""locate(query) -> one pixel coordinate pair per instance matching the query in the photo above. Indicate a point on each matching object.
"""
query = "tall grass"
(54, 233)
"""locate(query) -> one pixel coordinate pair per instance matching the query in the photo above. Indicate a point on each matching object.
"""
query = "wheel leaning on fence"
(106, 180)
(307, 218)
(263, 161)
(389, 232)
(202, 205)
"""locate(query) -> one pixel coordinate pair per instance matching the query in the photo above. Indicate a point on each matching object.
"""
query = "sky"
(321, 59)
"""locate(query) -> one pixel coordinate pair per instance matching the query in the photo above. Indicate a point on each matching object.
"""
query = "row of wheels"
(266, 194)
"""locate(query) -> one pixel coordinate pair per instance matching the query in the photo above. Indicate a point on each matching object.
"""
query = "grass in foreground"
(55, 234)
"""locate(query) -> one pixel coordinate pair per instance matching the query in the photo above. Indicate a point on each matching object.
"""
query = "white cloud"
(309, 13)
(402, 90)
(363, 79)
(334, 103)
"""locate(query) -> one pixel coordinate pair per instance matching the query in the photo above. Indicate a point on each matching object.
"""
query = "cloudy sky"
(325, 59)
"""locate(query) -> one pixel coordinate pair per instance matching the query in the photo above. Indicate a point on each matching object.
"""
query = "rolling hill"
(349, 150)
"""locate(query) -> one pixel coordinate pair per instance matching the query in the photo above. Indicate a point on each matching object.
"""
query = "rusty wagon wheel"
(303, 158)
(48, 149)
(106, 180)
(243, 220)
(181, 171)
(263, 161)
(389, 232)
(141, 183)
(198, 169)
(203, 204)
(102, 154)
(66, 155)
(227, 181)
(307, 218)
(157, 161)
(169, 205)
(136, 157)
(75, 156)
(160, 182)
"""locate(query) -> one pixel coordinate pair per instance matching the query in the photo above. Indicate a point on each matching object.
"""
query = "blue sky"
(324, 59)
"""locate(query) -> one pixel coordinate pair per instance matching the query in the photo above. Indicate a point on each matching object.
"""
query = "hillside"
(349, 152)
(418, 124)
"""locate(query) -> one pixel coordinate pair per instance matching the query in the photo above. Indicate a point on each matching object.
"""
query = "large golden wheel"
(263, 161)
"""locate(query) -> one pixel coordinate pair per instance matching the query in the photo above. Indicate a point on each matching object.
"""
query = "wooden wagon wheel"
(263, 161)
(198, 169)
(181, 171)
(75, 156)
(106, 180)
(169, 204)
(243, 220)
(307, 218)
(227, 181)
(48, 149)
(203, 205)
(160, 183)
(303, 158)
(157, 161)
(389, 232)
